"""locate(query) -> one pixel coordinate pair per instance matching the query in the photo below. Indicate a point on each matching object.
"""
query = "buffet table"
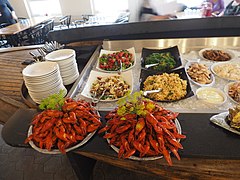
(209, 151)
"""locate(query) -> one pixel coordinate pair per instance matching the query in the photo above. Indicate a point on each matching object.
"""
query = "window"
(44, 7)
(109, 6)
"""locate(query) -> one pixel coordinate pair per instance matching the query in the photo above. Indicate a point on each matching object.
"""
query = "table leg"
(83, 166)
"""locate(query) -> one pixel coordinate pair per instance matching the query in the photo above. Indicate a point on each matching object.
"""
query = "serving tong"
(96, 99)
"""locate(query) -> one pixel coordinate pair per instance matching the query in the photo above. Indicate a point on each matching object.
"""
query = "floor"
(28, 164)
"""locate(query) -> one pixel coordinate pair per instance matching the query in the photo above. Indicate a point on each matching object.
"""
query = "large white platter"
(56, 151)
(103, 51)
(220, 120)
(127, 76)
(148, 158)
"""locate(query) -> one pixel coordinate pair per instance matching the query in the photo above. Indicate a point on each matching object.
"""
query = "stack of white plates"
(43, 79)
(66, 59)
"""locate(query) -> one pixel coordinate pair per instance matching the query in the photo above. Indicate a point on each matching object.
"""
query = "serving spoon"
(145, 93)
(151, 65)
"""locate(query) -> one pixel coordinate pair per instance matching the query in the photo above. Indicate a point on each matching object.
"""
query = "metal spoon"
(120, 70)
(145, 93)
(151, 65)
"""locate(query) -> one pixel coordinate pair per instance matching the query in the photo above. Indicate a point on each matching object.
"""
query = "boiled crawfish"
(154, 134)
(63, 129)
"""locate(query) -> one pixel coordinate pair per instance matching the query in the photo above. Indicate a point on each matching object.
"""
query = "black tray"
(182, 74)
(172, 50)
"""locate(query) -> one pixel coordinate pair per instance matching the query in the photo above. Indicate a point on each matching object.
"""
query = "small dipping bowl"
(211, 95)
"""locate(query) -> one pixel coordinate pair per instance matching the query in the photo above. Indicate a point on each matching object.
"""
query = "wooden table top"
(11, 70)
(23, 25)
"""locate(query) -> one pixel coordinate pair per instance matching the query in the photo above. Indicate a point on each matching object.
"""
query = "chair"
(64, 21)
(35, 36)
(3, 39)
(48, 26)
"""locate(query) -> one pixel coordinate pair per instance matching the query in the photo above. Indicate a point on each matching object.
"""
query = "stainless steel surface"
(186, 47)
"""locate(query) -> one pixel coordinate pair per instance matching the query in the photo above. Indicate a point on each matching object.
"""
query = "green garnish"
(135, 104)
(166, 61)
(54, 101)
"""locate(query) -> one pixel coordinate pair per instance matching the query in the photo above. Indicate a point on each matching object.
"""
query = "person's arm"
(221, 6)
(14, 16)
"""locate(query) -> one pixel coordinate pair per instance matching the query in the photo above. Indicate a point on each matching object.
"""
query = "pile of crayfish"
(63, 129)
(150, 134)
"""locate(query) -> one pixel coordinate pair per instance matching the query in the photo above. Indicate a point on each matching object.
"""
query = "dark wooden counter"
(175, 28)
(198, 158)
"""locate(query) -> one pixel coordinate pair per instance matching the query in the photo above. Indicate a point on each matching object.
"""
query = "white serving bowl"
(232, 74)
(211, 95)
(126, 75)
(226, 88)
(203, 85)
(216, 48)
(103, 51)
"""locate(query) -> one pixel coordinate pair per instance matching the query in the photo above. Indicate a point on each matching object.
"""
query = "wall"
(76, 7)
(19, 7)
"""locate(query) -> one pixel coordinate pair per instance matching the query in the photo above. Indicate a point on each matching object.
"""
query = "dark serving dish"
(182, 74)
(172, 50)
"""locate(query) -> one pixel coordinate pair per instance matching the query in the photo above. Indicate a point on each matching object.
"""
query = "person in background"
(151, 10)
(217, 6)
(232, 9)
(7, 13)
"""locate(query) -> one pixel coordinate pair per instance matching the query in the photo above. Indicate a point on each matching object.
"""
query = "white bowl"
(203, 85)
(227, 74)
(216, 48)
(226, 88)
(206, 94)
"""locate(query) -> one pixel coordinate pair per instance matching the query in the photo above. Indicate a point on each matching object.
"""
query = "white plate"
(228, 76)
(178, 126)
(131, 50)
(127, 76)
(60, 55)
(56, 151)
(203, 85)
(219, 120)
(215, 48)
(40, 69)
(226, 88)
